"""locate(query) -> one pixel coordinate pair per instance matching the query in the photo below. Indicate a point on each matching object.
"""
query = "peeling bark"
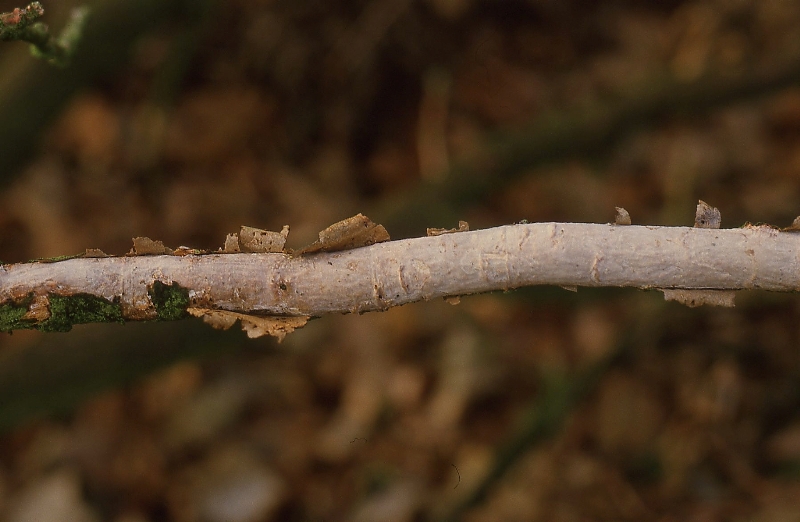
(394, 273)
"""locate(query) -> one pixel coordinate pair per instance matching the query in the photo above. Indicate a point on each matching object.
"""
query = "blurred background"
(183, 119)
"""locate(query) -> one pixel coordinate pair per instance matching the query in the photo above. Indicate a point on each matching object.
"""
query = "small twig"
(14, 24)
(21, 24)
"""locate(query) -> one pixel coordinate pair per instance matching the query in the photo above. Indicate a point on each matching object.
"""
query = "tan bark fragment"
(144, 246)
(463, 226)
(254, 325)
(39, 309)
(231, 244)
(261, 241)
(695, 298)
(354, 232)
(794, 227)
(622, 217)
(707, 216)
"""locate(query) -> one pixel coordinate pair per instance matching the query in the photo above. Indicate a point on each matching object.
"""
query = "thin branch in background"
(545, 417)
(588, 130)
(561, 395)
(21, 24)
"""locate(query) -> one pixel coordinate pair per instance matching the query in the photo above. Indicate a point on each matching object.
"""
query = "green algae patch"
(170, 301)
(12, 317)
(66, 311)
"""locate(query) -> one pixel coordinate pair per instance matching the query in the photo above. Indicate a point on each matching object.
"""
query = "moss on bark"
(171, 301)
(66, 311)
(12, 317)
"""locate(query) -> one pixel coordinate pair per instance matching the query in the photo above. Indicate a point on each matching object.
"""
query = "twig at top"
(21, 24)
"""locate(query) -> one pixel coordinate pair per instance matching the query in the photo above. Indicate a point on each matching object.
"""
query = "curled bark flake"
(354, 232)
(695, 298)
(231, 244)
(463, 226)
(261, 241)
(794, 227)
(144, 246)
(622, 217)
(278, 327)
(186, 251)
(762, 227)
(95, 252)
(38, 309)
(254, 325)
(707, 216)
(218, 319)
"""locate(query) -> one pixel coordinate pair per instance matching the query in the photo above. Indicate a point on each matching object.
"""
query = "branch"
(21, 24)
(273, 292)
